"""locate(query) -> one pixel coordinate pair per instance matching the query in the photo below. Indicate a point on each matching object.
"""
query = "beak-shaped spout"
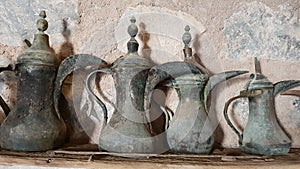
(292, 93)
(216, 79)
(285, 85)
(163, 72)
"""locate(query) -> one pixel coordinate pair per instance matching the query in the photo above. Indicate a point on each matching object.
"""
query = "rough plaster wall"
(18, 19)
(95, 33)
(257, 30)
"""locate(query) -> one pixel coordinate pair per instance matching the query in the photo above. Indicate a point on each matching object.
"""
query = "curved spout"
(215, 80)
(69, 65)
(285, 85)
(166, 71)
(292, 93)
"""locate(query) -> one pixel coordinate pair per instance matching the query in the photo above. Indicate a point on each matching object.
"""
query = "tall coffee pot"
(127, 130)
(33, 124)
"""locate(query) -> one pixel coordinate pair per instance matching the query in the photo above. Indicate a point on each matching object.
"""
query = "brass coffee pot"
(189, 130)
(126, 131)
(263, 134)
(33, 124)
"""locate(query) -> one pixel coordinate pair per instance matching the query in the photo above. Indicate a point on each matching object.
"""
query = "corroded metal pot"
(190, 130)
(263, 134)
(126, 131)
(33, 124)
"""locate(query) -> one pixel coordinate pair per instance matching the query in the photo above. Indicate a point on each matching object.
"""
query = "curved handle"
(67, 67)
(168, 115)
(4, 106)
(90, 92)
(6, 109)
(166, 110)
(165, 113)
(228, 119)
(245, 93)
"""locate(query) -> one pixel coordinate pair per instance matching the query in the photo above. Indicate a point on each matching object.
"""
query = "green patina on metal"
(190, 130)
(263, 134)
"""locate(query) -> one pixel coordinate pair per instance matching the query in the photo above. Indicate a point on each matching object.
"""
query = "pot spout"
(285, 85)
(166, 71)
(215, 80)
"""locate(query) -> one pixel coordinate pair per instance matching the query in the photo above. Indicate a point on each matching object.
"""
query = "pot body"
(127, 129)
(33, 124)
(263, 134)
(190, 129)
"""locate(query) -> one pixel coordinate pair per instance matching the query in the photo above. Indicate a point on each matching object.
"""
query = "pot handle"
(166, 112)
(245, 93)
(91, 93)
(169, 113)
(3, 104)
(70, 65)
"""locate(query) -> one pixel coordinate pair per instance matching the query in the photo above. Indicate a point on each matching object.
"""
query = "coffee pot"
(188, 130)
(127, 130)
(33, 124)
(262, 134)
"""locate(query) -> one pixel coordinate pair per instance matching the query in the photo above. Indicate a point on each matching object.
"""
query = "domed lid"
(132, 58)
(190, 79)
(258, 80)
(39, 52)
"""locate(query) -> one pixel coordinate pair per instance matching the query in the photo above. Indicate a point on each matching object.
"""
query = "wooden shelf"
(88, 157)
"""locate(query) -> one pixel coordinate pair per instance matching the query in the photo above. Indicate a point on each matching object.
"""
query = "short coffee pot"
(262, 134)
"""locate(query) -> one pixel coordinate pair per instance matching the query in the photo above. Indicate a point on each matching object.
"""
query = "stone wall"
(226, 36)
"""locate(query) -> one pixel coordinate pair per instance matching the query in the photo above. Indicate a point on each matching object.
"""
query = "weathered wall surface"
(226, 36)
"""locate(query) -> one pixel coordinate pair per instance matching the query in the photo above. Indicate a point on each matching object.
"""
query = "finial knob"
(186, 37)
(132, 28)
(257, 66)
(42, 23)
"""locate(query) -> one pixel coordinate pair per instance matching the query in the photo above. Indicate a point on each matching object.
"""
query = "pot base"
(252, 148)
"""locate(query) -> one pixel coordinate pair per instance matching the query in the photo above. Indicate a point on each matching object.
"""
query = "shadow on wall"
(157, 117)
(76, 134)
(196, 47)
(67, 48)
(145, 37)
